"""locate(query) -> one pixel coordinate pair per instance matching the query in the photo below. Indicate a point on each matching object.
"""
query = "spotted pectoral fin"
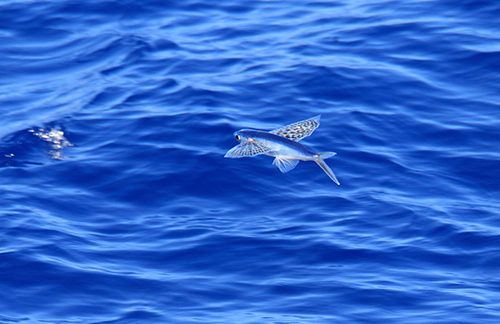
(248, 149)
(298, 130)
(285, 165)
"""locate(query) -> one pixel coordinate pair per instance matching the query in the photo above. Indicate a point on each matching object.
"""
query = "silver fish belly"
(282, 144)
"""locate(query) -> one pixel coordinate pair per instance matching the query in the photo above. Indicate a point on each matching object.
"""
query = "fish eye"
(237, 137)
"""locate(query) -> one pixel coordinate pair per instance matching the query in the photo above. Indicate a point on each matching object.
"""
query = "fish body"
(282, 144)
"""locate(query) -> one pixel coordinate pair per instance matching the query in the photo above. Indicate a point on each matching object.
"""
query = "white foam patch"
(56, 141)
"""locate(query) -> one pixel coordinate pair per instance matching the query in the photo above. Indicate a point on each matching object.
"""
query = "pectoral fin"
(248, 149)
(285, 165)
(298, 130)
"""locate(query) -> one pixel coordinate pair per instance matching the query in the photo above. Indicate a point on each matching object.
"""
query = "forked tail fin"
(324, 166)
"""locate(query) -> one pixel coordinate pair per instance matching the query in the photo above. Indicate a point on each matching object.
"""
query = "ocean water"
(118, 206)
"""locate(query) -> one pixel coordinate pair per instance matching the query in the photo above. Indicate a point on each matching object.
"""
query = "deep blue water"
(117, 205)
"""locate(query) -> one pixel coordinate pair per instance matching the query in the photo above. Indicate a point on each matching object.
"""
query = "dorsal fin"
(298, 130)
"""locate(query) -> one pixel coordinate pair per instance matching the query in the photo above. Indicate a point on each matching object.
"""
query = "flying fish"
(282, 144)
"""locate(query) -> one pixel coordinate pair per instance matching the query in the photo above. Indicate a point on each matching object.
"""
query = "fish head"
(243, 136)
